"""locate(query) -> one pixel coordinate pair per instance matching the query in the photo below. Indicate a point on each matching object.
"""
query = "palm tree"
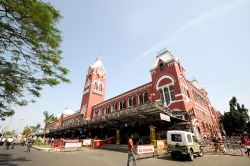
(35, 128)
(49, 118)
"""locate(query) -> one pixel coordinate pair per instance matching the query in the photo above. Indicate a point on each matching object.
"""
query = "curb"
(41, 149)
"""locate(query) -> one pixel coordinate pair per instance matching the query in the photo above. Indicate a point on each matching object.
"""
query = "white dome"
(67, 111)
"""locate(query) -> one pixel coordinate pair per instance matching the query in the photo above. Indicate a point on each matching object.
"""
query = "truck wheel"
(191, 156)
(200, 154)
(173, 156)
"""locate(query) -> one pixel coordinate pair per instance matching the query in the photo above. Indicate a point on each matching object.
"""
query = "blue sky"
(211, 38)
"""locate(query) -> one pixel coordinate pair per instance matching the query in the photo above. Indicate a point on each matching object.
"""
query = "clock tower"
(94, 88)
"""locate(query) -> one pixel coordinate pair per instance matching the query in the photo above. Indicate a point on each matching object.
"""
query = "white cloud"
(215, 12)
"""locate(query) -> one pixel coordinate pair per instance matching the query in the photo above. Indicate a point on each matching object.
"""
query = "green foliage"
(10, 133)
(31, 130)
(39, 142)
(29, 52)
(235, 121)
(49, 118)
(35, 128)
(27, 132)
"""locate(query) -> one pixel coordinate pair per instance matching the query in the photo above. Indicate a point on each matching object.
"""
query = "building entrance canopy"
(145, 113)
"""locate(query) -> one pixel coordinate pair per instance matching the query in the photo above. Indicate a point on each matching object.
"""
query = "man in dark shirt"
(131, 152)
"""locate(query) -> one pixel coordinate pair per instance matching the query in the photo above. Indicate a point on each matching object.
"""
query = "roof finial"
(99, 54)
(98, 59)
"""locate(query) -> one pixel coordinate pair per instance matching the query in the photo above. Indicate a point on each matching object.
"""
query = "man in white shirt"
(10, 141)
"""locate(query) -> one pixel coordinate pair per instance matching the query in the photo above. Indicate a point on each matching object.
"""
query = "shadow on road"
(9, 160)
(168, 157)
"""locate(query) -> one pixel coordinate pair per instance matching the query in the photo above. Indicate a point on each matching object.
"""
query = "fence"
(227, 148)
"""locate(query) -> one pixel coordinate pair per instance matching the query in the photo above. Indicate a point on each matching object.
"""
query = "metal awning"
(147, 112)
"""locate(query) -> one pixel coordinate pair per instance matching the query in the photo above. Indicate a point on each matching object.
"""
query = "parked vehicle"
(183, 143)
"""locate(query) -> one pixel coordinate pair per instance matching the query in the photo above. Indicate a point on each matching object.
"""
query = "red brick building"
(185, 104)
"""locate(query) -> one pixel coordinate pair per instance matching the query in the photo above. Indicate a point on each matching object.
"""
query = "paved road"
(17, 157)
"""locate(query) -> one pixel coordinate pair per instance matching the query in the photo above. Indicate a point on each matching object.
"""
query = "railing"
(227, 148)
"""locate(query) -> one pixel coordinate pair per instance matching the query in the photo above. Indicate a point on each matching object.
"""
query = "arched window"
(105, 111)
(115, 106)
(124, 104)
(161, 66)
(167, 94)
(108, 109)
(140, 98)
(120, 103)
(100, 87)
(130, 102)
(145, 97)
(134, 101)
(112, 108)
(96, 86)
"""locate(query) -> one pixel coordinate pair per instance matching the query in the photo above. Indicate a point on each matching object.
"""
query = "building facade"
(140, 110)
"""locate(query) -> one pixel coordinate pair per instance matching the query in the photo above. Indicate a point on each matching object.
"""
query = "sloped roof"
(97, 63)
(165, 56)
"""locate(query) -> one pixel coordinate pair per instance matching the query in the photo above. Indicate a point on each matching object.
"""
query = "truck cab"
(183, 143)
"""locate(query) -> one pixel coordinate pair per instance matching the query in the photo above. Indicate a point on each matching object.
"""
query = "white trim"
(87, 91)
(202, 109)
(176, 101)
(163, 77)
(180, 94)
(98, 92)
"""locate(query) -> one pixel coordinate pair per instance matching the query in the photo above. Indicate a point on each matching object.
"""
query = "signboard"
(73, 145)
(57, 143)
(164, 117)
(142, 149)
(86, 142)
(71, 141)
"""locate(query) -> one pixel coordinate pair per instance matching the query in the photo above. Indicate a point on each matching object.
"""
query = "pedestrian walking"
(245, 143)
(11, 142)
(219, 145)
(7, 143)
(131, 152)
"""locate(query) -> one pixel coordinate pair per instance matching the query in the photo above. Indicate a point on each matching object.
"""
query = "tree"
(35, 128)
(248, 127)
(10, 133)
(31, 130)
(27, 131)
(29, 52)
(235, 121)
(49, 118)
